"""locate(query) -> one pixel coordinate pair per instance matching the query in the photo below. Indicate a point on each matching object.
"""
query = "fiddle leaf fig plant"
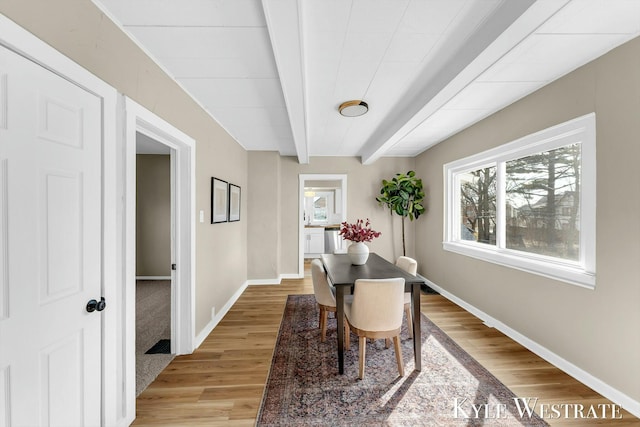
(404, 195)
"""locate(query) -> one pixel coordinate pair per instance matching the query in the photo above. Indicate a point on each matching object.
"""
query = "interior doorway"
(322, 207)
(140, 121)
(154, 252)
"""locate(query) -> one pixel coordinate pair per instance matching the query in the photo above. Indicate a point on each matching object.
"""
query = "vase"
(358, 252)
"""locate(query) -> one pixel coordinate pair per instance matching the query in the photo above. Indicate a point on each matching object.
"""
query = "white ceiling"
(273, 72)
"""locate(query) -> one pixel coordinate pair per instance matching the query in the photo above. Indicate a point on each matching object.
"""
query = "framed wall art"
(219, 201)
(234, 202)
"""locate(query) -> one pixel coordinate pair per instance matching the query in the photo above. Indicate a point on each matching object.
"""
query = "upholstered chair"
(409, 265)
(324, 296)
(375, 312)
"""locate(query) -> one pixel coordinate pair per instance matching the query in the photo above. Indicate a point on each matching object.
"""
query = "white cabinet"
(313, 240)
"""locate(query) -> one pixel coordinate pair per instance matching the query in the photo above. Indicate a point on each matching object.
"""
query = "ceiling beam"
(486, 45)
(284, 23)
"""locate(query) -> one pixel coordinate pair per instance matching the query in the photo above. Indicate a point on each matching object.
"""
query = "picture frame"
(219, 201)
(234, 202)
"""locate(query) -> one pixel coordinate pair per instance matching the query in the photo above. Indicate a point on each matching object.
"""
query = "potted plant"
(403, 195)
(358, 233)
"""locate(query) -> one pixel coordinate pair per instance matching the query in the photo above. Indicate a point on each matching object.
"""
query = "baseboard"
(616, 396)
(153, 277)
(219, 315)
(276, 281)
(254, 282)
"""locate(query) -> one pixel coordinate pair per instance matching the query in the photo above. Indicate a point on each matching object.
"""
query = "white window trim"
(581, 272)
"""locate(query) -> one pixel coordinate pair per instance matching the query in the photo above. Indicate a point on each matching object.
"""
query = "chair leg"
(387, 343)
(363, 350)
(407, 311)
(347, 335)
(323, 324)
(396, 343)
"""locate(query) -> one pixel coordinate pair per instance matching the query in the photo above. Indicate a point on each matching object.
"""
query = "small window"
(529, 204)
(320, 209)
(319, 206)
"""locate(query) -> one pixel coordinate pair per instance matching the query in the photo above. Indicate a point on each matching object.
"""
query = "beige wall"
(153, 215)
(363, 186)
(79, 30)
(596, 330)
(263, 215)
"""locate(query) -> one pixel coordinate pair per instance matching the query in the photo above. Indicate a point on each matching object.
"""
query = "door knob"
(94, 305)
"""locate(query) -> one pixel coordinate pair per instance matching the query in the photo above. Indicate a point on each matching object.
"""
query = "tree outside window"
(478, 205)
(543, 192)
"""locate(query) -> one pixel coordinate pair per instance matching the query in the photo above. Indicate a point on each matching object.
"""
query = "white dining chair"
(409, 265)
(375, 312)
(324, 296)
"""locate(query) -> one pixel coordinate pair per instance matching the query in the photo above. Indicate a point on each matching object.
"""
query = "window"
(478, 205)
(541, 195)
(529, 204)
(319, 206)
(320, 209)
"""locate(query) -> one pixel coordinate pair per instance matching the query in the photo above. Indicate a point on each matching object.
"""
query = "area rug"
(305, 389)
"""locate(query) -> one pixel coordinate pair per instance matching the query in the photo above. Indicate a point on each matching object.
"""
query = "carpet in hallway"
(153, 323)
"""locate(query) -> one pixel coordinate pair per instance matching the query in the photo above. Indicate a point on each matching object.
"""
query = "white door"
(50, 251)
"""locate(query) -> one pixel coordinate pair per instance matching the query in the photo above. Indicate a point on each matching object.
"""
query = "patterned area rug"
(305, 389)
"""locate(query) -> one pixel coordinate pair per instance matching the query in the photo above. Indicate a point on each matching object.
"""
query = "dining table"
(343, 274)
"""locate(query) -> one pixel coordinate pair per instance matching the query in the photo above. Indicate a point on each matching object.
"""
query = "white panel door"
(50, 251)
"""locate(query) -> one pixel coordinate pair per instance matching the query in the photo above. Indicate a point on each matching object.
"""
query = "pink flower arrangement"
(359, 232)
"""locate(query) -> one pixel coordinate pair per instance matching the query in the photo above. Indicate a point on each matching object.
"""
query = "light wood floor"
(221, 383)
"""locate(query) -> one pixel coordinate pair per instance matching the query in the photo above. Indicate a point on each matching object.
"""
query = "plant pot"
(358, 252)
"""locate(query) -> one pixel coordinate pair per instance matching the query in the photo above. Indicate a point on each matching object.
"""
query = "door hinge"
(173, 267)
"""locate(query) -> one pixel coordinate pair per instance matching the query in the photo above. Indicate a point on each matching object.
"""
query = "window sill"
(574, 275)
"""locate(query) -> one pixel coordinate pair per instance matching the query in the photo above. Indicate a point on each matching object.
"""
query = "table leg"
(417, 334)
(340, 319)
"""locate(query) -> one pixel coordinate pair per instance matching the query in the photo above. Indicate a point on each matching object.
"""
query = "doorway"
(322, 207)
(141, 123)
(154, 243)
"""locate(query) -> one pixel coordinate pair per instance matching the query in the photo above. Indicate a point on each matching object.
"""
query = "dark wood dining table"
(343, 275)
